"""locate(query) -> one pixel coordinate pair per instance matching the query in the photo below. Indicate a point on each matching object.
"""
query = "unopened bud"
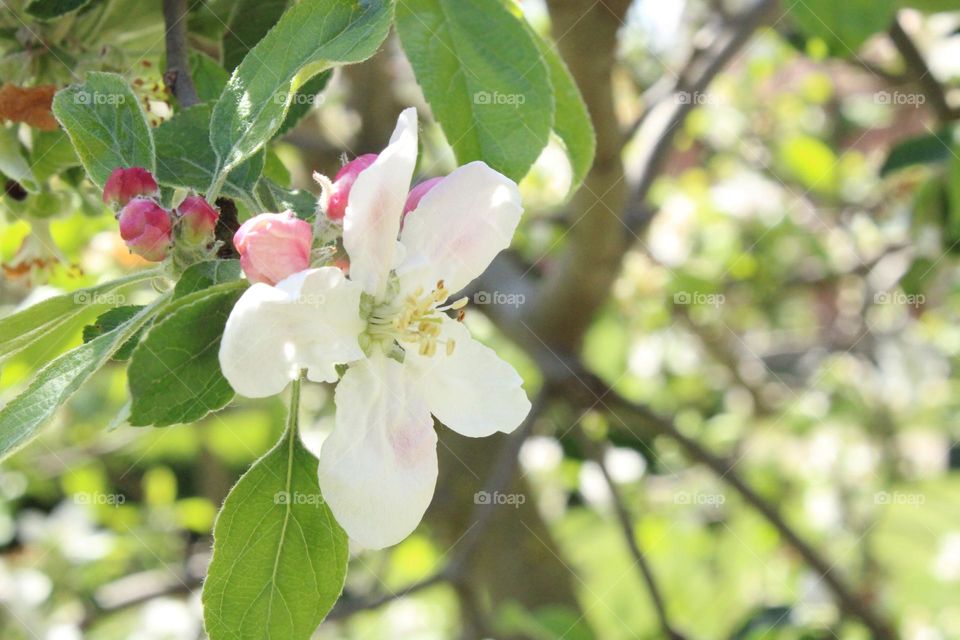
(124, 185)
(273, 246)
(145, 226)
(343, 182)
(198, 220)
(416, 194)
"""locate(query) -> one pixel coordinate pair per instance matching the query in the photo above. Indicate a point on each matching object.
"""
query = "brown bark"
(371, 98)
(580, 281)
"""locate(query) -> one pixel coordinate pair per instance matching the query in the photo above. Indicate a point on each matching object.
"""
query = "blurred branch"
(142, 587)
(177, 74)
(720, 349)
(850, 601)
(919, 71)
(346, 606)
(630, 537)
(638, 214)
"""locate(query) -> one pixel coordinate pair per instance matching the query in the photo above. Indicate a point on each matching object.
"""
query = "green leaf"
(309, 38)
(22, 417)
(279, 557)
(922, 150)
(250, 20)
(175, 370)
(484, 78)
(275, 170)
(185, 158)
(208, 76)
(951, 227)
(304, 100)
(206, 274)
(277, 198)
(106, 124)
(843, 26)
(13, 164)
(109, 321)
(51, 154)
(22, 329)
(49, 9)
(572, 122)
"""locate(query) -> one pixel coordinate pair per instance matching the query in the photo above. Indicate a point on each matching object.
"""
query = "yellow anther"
(451, 345)
(417, 321)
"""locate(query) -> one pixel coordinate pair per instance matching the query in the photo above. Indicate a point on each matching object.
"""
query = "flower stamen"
(418, 320)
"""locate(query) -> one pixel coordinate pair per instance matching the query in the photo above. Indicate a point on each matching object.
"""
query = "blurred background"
(761, 267)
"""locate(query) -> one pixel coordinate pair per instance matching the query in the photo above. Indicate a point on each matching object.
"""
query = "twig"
(637, 214)
(346, 607)
(177, 75)
(630, 537)
(848, 599)
(921, 74)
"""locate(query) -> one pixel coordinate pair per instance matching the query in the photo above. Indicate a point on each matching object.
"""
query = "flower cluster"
(149, 229)
(390, 317)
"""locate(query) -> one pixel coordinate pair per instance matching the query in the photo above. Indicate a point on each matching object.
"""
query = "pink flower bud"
(273, 246)
(146, 226)
(416, 194)
(125, 184)
(343, 182)
(197, 219)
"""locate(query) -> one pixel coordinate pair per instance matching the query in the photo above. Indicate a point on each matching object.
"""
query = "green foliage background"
(792, 305)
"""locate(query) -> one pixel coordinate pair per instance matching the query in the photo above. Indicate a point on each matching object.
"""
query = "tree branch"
(681, 102)
(630, 537)
(920, 72)
(580, 380)
(177, 74)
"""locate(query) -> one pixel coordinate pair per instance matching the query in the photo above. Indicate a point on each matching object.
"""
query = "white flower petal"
(472, 390)
(310, 320)
(372, 220)
(458, 228)
(378, 469)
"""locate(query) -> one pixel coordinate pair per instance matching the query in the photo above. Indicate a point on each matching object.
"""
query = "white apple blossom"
(407, 358)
